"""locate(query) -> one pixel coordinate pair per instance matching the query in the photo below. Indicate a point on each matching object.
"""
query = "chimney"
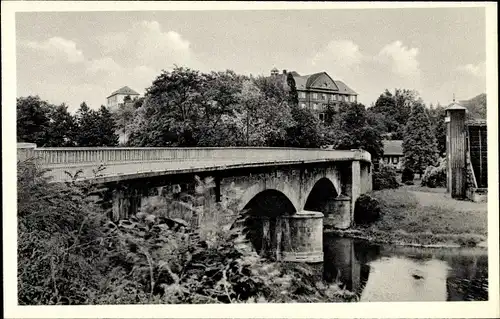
(284, 71)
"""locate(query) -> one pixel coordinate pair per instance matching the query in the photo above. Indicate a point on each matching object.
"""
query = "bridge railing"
(67, 157)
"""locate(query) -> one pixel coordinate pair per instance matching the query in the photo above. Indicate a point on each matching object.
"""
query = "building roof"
(124, 90)
(456, 106)
(393, 147)
(305, 82)
(344, 88)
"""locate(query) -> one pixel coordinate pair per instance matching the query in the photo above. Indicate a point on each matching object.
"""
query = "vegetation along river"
(377, 272)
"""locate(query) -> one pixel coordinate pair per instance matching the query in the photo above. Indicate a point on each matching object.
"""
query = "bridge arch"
(320, 195)
(264, 221)
(252, 191)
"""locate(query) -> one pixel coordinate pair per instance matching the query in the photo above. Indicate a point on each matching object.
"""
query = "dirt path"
(444, 199)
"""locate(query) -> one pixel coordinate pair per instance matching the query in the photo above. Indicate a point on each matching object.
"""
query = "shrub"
(59, 227)
(435, 176)
(385, 177)
(407, 176)
(366, 210)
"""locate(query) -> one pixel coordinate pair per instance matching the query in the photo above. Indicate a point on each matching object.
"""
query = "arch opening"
(321, 196)
(263, 222)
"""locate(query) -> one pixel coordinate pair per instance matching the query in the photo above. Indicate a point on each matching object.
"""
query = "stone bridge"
(288, 194)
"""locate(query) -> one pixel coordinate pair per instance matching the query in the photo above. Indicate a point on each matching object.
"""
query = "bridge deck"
(131, 163)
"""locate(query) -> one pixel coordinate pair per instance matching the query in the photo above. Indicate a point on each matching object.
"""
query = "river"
(396, 273)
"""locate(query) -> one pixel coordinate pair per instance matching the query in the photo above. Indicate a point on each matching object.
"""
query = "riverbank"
(413, 216)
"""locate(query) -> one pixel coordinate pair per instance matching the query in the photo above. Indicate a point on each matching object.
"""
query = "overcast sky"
(76, 56)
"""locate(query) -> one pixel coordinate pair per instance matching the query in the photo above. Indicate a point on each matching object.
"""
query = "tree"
(85, 118)
(95, 128)
(351, 129)
(33, 120)
(395, 109)
(437, 117)
(476, 107)
(404, 99)
(386, 106)
(124, 116)
(293, 96)
(185, 107)
(264, 120)
(63, 128)
(419, 142)
(306, 130)
(272, 88)
(138, 102)
(106, 128)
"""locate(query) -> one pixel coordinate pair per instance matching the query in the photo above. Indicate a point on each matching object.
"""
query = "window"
(302, 95)
(323, 96)
(335, 97)
(386, 160)
(315, 96)
(322, 117)
(315, 106)
(303, 105)
(395, 160)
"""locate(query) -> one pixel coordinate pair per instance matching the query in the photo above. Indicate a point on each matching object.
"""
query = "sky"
(72, 57)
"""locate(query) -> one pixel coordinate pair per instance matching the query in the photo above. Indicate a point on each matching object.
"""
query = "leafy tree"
(95, 128)
(395, 109)
(264, 120)
(293, 96)
(62, 128)
(106, 128)
(272, 88)
(138, 102)
(476, 107)
(86, 119)
(33, 120)
(189, 108)
(124, 116)
(352, 130)
(404, 99)
(419, 142)
(386, 106)
(251, 100)
(306, 130)
(331, 113)
(437, 116)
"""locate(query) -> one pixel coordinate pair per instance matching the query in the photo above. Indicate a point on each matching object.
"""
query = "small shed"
(393, 153)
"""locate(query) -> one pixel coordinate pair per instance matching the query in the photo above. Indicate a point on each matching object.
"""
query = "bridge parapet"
(63, 156)
(142, 162)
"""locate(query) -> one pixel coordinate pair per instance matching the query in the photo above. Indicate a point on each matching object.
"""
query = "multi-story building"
(318, 90)
(116, 98)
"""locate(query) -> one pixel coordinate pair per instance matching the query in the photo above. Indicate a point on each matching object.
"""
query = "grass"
(411, 216)
(424, 189)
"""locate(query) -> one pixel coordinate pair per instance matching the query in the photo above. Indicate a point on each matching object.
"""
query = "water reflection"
(388, 273)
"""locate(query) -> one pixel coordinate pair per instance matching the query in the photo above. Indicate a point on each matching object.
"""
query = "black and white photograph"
(298, 155)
